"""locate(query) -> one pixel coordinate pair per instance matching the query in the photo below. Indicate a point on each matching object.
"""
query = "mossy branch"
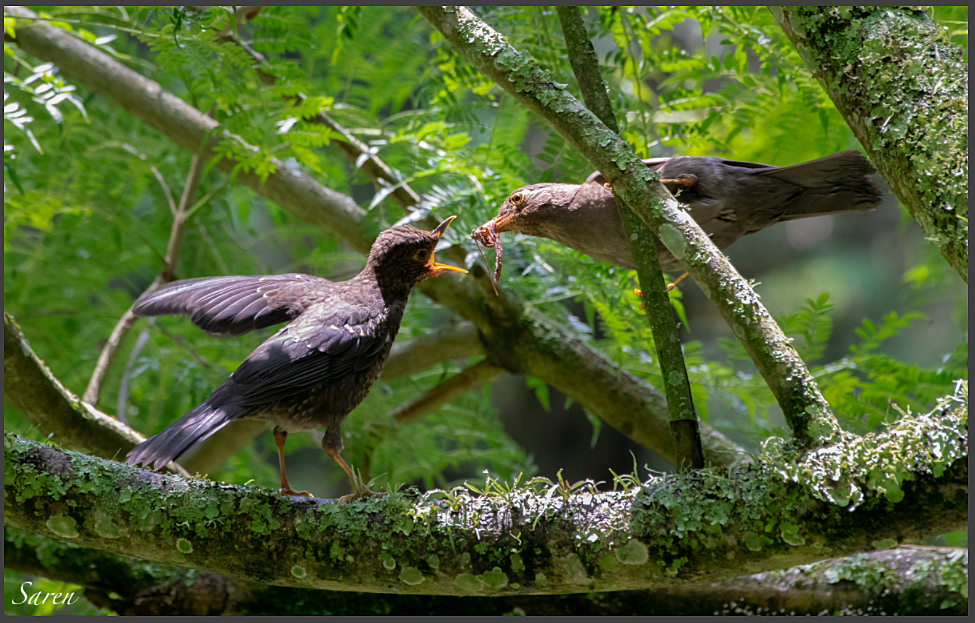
(902, 87)
(907, 483)
(643, 244)
(518, 337)
(806, 411)
(905, 580)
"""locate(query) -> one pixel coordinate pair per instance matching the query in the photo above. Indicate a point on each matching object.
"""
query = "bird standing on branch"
(316, 369)
(727, 198)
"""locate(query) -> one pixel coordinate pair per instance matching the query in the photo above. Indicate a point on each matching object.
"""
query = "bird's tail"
(181, 435)
(836, 183)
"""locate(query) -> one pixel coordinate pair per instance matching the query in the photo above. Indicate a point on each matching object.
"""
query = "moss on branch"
(902, 86)
(539, 538)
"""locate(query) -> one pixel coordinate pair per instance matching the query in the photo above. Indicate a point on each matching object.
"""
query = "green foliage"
(86, 219)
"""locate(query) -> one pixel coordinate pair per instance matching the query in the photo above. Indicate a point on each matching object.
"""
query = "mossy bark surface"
(907, 483)
(902, 86)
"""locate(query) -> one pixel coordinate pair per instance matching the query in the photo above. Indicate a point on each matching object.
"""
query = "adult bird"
(728, 199)
(317, 368)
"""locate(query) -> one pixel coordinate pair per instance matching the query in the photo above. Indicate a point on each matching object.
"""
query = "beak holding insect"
(434, 268)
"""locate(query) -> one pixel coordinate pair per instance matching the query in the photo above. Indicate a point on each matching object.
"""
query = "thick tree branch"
(806, 411)
(643, 244)
(897, 584)
(456, 340)
(863, 493)
(29, 385)
(515, 336)
(903, 89)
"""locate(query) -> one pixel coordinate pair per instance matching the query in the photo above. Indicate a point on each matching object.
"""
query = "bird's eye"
(422, 255)
(517, 199)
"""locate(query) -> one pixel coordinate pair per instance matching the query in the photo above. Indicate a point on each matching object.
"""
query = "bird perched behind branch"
(316, 369)
(727, 198)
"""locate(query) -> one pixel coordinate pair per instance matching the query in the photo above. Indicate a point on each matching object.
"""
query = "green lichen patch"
(411, 576)
(63, 526)
(635, 552)
(468, 583)
(184, 546)
(298, 571)
(495, 579)
(106, 529)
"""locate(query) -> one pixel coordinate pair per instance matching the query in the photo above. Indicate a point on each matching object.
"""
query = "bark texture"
(902, 86)
(905, 580)
(905, 484)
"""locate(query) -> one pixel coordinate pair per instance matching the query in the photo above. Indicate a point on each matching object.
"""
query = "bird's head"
(531, 209)
(404, 254)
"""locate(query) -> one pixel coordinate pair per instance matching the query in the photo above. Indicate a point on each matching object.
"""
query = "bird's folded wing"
(234, 305)
(304, 354)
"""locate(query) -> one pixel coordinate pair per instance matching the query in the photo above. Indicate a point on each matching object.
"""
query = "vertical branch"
(680, 405)
(176, 235)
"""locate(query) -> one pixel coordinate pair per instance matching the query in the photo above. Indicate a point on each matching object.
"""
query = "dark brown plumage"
(727, 198)
(316, 369)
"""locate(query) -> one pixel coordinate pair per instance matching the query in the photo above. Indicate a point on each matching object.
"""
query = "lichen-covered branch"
(518, 337)
(29, 386)
(902, 87)
(643, 244)
(907, 483)
(905, 580)
(806, 411)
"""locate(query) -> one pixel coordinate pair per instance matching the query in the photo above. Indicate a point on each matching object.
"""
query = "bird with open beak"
(728, 199)
(314, 370)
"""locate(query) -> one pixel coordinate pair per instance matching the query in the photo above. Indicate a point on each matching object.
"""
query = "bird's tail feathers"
(836, 183)
(181, 435)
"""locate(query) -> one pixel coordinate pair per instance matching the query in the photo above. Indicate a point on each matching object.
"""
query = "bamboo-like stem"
(643, 244)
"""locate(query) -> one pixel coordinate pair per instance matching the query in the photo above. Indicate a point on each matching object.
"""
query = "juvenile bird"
(318, 367)
(728, 199)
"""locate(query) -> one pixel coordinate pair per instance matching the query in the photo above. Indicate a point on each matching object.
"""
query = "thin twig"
(381, 174)
(167, 274)
(684, 426)
(123, 390)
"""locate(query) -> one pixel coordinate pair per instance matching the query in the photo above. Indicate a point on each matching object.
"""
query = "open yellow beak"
(435, 268)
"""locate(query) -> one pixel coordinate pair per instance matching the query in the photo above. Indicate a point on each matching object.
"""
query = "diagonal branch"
(29, 385)
(514, 335)
(643, 244)
(806, 411)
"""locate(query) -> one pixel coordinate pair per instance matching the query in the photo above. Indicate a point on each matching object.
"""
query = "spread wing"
(224, 306)
(312, 350)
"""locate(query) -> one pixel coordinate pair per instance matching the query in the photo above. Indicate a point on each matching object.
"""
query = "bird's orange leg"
(357, 493)
(670, 286)
(280, 437)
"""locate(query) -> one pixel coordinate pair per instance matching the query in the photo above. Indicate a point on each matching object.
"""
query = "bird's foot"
(300, 494)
